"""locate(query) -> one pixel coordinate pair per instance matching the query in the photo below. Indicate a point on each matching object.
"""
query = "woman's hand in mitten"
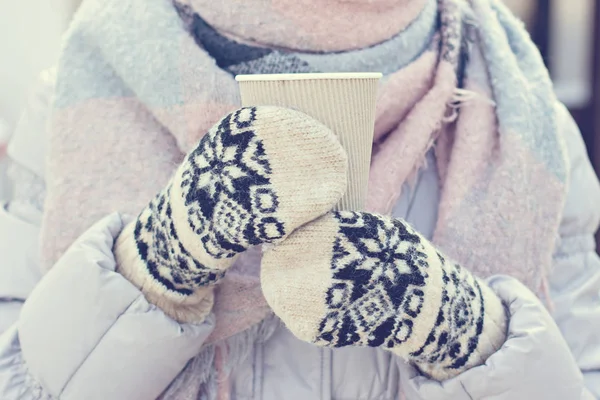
(359, 279)
(254, 177)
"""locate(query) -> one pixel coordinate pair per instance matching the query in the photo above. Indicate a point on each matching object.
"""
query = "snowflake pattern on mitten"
(380, 270)
(227, 194)
(229, 201)
(374, 281)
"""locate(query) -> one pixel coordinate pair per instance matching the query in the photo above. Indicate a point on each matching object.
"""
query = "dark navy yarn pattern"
(238, 58)
(230, 205)
(459, 322)
(226, 186)
(380, 271)
(379, 274)
(159, 246)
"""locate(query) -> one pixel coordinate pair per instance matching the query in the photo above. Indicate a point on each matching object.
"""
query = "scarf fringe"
(201, 369)
(240, 345)
(459, 98)
(198, 373)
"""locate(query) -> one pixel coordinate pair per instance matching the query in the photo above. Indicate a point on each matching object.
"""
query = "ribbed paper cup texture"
(343, 102)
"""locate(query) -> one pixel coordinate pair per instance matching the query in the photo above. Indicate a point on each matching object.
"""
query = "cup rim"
(308, 76)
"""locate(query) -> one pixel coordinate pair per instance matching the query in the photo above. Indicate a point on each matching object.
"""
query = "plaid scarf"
(463, 79)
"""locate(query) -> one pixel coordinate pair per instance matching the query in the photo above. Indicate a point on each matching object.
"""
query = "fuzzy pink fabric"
(309, 25)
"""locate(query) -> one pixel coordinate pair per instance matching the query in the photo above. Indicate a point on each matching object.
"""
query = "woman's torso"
(284, 367)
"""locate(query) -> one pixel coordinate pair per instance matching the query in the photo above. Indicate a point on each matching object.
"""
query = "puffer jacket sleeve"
(535, 362)
(575, 279)
(85, 332)
(547, 355)
(18, 248)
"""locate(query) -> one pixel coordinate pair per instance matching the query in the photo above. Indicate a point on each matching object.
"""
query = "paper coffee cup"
(344, 102)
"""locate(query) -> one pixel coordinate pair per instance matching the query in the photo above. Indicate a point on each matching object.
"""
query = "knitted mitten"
(255, 177)
(358, 279)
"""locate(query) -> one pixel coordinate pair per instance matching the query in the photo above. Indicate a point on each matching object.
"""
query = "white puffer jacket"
(84, 332)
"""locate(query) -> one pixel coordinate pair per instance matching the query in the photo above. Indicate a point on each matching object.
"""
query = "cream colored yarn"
(254, 178)
(359, 279)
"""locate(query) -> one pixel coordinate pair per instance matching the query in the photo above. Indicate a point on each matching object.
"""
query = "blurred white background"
(30, 32)
(30, 37)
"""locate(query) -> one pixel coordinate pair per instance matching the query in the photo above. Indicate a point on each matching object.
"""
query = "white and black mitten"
(359, 279)
(253, 178)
